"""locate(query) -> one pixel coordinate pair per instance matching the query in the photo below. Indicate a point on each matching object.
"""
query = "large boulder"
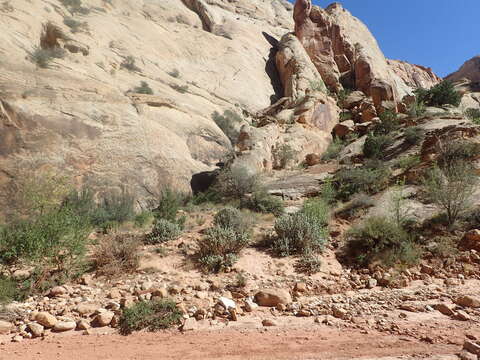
(273, 297)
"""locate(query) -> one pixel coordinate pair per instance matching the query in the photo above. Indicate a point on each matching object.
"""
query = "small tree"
(451, 187)
(441, 94)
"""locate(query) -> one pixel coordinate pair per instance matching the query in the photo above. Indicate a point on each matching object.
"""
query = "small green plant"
(163, 231)
(228, 123)
(262, 202)
(143, 218)
(408, 162)
(441, 94)
(233, 219)
(375, 145)
(75, 25)
(44, 57)
(283, 155)
(417, 108)
(333, 150)
(345, 115)
(451, 187)
(473, 115)
(413, 135)
(317, 209)
(129, 64)
(237, 181)
(450, 152)
(144, 88)
(298, 233)
(241, 280)
(342, 97)
(182, 89)
(370, 178)
(115, 208)
(117, 255)
(8, 290)
(150, 315)
(388, 123)
(169, 206)
(380, 239)
(174, 73)
(218, 250)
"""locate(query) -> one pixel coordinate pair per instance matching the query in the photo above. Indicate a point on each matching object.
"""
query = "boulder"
(269, 323)
(87, 308)
(344, 128)
(190, 324)
(62, 326)
(36, 329)
(227, 303)
(57, 291)
(445, 309)
(468, 301)
(6, 327)
(103, 319)
(471, 240)
(273, 297)
(45, 319)
(313, 159)
(83, 325)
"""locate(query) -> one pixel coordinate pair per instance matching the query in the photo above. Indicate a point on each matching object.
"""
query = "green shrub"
(232, 218)
(408, 162)
(413, 135)
(219, 248)
(114, 208)
(144, 88)
(174, 73)
(333, 150)
(283, 155)
(262, 202)
(473, 115)
(345, 115)
(298, 234)
(163, 231)
(375, 145)
(150, 315)
(379, 239)
(117, 254)
(8, 290)
(143, 218)
(129, 64)
(369, 179)
(441, 94)
(388, 123)
(451, 152)
(43, 57)
(237, 181)
(75, 25)
(168, 207)
(317, 209)
(416, 108)
(451, 187)
(228, 123)
(182, 89)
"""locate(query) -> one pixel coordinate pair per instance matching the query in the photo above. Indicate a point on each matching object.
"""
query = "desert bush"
(151, 315)
(163, 230)
(129, 64)
(283, 155)
(262, 202)
(345, 115)
(168, 207)
(441, 94)
(75, 25)
(143, 218)
(309, 263)
(408, 162)
(451, 187)
(8, 290)
(228, 123)
(43, 57)
(237, 181)
(369, 179)
(333, 150)
(144, 88)
(416, 108)
(413, 135)
(232, 218)
(379, 239)
(114, 208)
(375, 145)
(298, 234)
(451, 152)
(317, 209)
(219, 248)
(443, 246)
(388, 123)
(118, 254)
(473, 115)
(182, 89)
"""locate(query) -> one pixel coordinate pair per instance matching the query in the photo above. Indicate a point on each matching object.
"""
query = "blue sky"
(441, 34)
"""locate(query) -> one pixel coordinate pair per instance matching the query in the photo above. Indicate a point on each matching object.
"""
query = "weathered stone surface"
(468, 301)
(415, 76)
(471, 240)
(469, 70)
(269, 323)
(103, 319)
(272, 297)
(5, 327)
(36, 329)
(62, 326)
(46, 319)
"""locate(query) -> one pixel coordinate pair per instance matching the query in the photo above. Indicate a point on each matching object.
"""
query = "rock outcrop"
(415, 76)
(80, 115)
(470, 70)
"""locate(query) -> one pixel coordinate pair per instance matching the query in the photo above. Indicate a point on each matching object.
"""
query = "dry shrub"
(117, 254)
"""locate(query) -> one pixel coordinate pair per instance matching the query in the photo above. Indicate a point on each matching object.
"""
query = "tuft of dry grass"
(117, 254)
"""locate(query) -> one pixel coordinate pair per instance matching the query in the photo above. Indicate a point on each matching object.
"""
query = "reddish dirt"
(318, 342)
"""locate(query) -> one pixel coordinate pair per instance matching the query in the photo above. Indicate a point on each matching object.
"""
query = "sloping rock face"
(81, 116)
(470, 70)
(415, 76)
